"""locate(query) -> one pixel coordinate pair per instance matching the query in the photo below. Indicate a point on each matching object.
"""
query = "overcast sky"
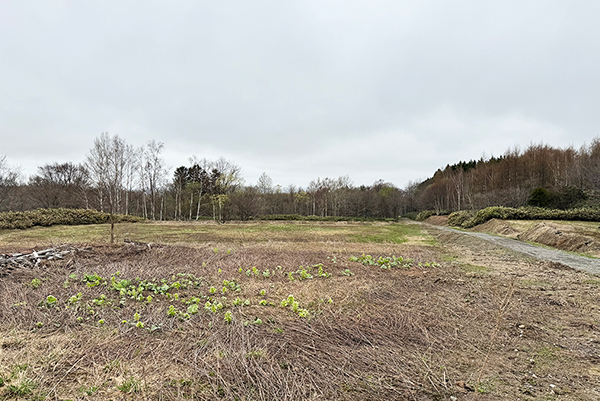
(386, 90)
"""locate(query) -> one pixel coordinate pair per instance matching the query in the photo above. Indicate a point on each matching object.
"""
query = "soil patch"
(554, 236)
(496, 226)
(437, 220)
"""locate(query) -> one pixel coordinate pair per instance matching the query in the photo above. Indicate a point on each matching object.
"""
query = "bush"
(425, 214)
(531, 213)
(569, 197)
(51, 217)
(540, 197)
(457, 219)
(428, 213)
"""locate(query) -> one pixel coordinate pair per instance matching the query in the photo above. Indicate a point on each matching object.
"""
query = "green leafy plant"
(386, 262)
(51, 301)
(321, 272)
(93, 280)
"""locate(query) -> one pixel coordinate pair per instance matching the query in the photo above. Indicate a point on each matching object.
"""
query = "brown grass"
(402, 333)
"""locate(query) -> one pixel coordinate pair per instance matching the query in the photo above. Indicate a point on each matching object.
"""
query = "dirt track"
(574, 261)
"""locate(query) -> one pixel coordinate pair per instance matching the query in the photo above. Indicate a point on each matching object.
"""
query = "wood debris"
(10, 262)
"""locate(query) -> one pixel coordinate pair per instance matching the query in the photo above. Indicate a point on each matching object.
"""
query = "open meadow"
(292, 311)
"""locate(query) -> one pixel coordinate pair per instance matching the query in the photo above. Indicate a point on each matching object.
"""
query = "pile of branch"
(17, 260)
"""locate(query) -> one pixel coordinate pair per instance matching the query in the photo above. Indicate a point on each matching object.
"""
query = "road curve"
(590, 265)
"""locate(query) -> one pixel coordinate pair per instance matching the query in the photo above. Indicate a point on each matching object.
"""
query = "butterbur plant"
(383, 262)
(288, 301)
(75, 298)
(303, 313)
(51, 301)
(321, 272)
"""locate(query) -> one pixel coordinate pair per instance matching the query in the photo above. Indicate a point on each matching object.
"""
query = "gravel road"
(574, 261)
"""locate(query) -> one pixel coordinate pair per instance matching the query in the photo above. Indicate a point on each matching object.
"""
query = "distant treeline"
(540, 175)
(117, 178)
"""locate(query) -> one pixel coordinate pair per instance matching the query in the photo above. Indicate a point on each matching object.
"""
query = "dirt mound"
(437, 220)
(551, 235)
(496, 226)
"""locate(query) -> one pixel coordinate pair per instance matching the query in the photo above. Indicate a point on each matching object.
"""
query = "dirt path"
(574, 261)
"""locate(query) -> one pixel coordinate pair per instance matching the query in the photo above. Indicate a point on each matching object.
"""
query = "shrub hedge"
(428, 213)
(462, 219)
(51, 217)
(457, 219)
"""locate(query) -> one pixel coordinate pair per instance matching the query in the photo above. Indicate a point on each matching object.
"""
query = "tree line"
(118, 178)
(540, 175)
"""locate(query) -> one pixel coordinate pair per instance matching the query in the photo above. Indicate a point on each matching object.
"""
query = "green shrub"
(531, 213)
(540, 197)
(568, 198)
(457, 219)
(51, 217)
(425, 214)
(428, 213)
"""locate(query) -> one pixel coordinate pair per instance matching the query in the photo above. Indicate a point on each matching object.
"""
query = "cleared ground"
(272, 311)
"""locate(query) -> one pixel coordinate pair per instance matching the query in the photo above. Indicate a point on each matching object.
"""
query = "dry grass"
(401, 333)
(230, 234)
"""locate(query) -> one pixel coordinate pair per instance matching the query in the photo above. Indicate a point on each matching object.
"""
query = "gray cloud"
(299, 89)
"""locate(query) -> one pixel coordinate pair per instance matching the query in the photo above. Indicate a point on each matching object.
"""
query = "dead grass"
(230, 234)
(574, 236)
(482, 325)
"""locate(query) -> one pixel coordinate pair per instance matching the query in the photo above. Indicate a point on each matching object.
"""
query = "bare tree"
(61, 185)
(106, 163)
(153, 174)
(9, 178)
(265, 184)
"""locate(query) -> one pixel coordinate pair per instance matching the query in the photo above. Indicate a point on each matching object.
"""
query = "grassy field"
(231, 233)
(291, 311)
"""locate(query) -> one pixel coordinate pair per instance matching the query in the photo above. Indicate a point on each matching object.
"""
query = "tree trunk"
(198, 210)
(112, 228)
